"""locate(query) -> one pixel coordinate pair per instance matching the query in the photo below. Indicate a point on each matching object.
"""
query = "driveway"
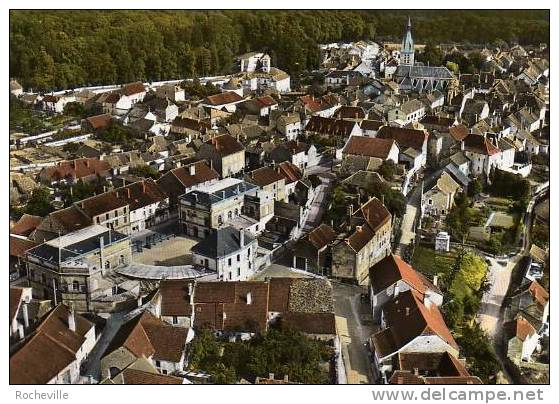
(354, 325)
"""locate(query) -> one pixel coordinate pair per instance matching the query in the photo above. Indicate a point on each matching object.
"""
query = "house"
(289, 125)
(482, 154)
(179, 181)
(238, 310)
(350, 113)
(391, 276)
(433, 101)
(260, 106)
(61, 222)
(324, 106)
(55, 350)
(254, 61)
(366, 242)
(164, 109)
(26, 225)
(226, 154)
(114, 103)
(334, 130)
(300, 154)
(521, 339)
(148, 204)
(86, 170)
(474, 111)
(108, 209)
(409, 111)
(215, 205)
(97, 122)
(193, 128)
(228, 252)
(531, 301)
(292, 175)
(20, 321)
(171, 91)
(134, 92)
(370, 127)
(440, 199)
(341, 78)
(410, 323)
(56, 103)
(430, 368)
(224, 101)
(373, 148)
(146, 336)
(18, 247)
(269, 180)
(412, 144)
(310, 251)
(142, 371)
(77, 269)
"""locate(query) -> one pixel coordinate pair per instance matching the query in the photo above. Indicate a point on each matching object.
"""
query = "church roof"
(420, 72)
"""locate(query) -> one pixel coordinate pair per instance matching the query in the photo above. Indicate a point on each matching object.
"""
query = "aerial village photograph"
(279, 197)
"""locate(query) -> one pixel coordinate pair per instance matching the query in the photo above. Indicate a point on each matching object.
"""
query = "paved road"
(93, 365)
(354, 325)
(412, 210)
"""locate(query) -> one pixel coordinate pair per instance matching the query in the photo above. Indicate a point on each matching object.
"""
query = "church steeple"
(407, 53)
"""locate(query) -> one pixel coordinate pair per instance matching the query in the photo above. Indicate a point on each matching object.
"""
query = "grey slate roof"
(221, 242)
(418, 72)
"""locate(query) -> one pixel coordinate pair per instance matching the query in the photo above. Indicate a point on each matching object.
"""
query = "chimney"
(435, 280)
(271, 376)
(128, 192)
(71, 320)
(407, 311)
(25, 315)
(192, 169)
(396, 291)
(242, 237)
(249, 298)
(286, 378)
(21, 331)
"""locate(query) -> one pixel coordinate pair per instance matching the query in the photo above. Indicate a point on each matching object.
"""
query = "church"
(413, 77)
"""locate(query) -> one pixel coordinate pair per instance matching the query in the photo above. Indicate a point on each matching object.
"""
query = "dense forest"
(65, 49)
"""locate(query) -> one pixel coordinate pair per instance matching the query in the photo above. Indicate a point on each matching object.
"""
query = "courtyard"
(170, 252)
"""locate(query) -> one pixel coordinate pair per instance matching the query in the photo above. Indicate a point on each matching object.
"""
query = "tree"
(475, 187)
(431, 55)
(453, 67)
(145, 171)
(39, 203)
(387, 169)
(480, 357)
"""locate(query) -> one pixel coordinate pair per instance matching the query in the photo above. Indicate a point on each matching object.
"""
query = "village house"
(289, 125)
(114, 103)
(365, 243)
(173, 92)
(56, 103)
(77, 269)
(410, 111)
(292, 175)
(223, 101)
(260, 106)
(440, 199)
(164, 109)
(134, 92)
(430, 368)
(350, 113)
(521, 340)
(254, 61)
(15, 88)
(193, 128)
(95, 123)
(269, 180)
(18, 247)
(55, 350)
(391, 276)
(372, 148)
(324, 106)
(142, 371)
(213, 206)
(483, 154)
(178, 181)
(20, 320)
(342, 78)
(69, 172)
(228, 252)
(310, 252)
(300, 154)
(226, 154)
(146, 336)
(333, 130)
(531, 301)
(410, 323)
(370, 127)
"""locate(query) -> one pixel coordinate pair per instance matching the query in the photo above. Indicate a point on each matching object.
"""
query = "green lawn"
(430, 262)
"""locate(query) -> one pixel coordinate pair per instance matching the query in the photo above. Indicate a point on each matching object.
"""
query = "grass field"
(430, 262)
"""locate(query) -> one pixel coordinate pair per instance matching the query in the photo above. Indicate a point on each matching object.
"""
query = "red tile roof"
(18, 246)
(330, 126)
(321, 236)
(133, 88)
(368, 146)
(99, 121)
(265, 176)
(289, 171)
(227, 97)
(26, 225)
(480, 144)
(226, 144)
(76, 169)
(404, 137)
(392, 269)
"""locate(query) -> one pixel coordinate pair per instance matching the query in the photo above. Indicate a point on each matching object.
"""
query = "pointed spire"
(409, 22)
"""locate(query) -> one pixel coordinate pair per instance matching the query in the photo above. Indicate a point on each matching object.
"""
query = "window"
(230, 215)
(230, 276)
(229, 261)
(238, 272)
(76, 286)
(107, 264)
(106, 216)
(164, 371)
(238, 257)
(157, 364)
(175, 320)
(121, 259)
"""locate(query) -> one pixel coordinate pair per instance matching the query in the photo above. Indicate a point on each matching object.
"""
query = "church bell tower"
(407, 53)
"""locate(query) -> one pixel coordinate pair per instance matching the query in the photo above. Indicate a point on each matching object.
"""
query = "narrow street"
(355, 326)
(322, 194)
